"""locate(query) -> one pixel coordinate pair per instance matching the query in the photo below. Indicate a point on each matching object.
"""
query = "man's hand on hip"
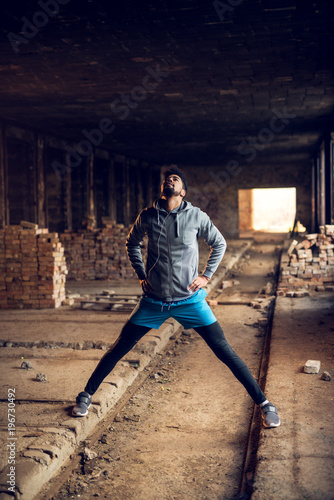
(198, 283)
(146, 285)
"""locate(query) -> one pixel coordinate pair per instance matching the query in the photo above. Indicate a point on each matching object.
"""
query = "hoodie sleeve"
(133, 247)
(215, 240)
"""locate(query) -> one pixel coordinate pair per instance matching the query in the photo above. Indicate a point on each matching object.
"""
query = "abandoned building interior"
(97, 98)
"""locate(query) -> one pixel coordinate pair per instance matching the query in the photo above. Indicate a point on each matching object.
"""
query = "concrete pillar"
(245, 209)
(314, 197)
(126, 185)
(150, 185)
(3, 180)
(321, 187)
(329, 184)
(112, 190)
(90, 188)
(68, 198)
(40, 180)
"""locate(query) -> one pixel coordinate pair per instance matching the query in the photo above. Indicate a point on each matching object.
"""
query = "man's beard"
(169, 191)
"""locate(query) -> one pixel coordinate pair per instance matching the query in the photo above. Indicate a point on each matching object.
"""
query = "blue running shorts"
(191, 313)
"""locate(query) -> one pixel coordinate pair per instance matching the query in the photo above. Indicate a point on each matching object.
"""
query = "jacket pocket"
(189, 266)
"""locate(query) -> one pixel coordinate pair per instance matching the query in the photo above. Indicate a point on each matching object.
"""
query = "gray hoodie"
(172, 258)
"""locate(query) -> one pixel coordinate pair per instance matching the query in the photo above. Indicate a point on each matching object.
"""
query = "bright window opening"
(270, 210)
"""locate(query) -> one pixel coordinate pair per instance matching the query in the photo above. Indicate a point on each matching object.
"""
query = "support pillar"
(112, 191)
(126, 192)
(3, 181)
(40, 178)
(90, 191)
(329, 174)
(68, 197)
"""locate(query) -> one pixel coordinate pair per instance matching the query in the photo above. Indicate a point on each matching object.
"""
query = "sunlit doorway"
(269, 210)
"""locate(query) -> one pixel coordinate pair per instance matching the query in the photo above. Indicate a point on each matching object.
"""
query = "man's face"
(172, 186)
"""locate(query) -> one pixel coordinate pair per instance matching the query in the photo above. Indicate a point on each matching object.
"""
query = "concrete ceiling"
(227, 73)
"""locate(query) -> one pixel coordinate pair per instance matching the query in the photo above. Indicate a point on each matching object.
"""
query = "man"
(172, 288)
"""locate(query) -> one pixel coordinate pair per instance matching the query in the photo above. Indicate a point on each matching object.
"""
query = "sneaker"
(84, 400)
(269, 416)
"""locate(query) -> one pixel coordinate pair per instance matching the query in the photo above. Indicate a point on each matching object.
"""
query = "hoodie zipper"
(170, 265)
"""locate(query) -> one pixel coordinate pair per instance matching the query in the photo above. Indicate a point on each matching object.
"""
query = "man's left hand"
(198, 283)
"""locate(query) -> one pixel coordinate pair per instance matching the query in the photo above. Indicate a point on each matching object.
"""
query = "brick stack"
(309, 264)
(13, 266)
(98, 253)
(73, 243)
(33, 268)
(52, 271)
(113, 252)
(29, 260)
(80, 254)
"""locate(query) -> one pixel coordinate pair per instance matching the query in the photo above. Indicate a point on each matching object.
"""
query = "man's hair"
(174, 170)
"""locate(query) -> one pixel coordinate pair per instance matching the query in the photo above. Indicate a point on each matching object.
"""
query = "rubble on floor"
(308, 265)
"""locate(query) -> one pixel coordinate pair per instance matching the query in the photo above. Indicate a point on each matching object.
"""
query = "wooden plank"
(292, 247)
(125, 307)
(118, 297)
(111, 302)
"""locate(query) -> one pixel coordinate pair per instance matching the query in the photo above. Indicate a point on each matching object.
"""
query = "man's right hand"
(146, 285)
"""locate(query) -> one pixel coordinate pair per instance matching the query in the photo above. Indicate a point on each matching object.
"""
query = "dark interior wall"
(101, 179)
(79, 195)
(123, 186)
(215, 190)
(55, 192)
(219, 201)
(20, 180)
(120, 187)
(40, 184)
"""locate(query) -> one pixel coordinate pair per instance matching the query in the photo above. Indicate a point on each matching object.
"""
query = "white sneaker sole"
(78, 414)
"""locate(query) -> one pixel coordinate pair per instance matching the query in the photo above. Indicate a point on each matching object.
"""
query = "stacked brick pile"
(80, 254)
(309, 264)
(98, 253)
(33, 268)
(52, 271)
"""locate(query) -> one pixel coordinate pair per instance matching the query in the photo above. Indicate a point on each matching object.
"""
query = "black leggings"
(213, 336)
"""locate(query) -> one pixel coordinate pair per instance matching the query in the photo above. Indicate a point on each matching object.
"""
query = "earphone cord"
(158, 243)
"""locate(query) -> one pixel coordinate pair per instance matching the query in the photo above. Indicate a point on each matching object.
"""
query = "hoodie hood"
(185, 205)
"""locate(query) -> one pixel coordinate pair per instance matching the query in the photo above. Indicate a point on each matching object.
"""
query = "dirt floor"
(296, 462)
(184, 434)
